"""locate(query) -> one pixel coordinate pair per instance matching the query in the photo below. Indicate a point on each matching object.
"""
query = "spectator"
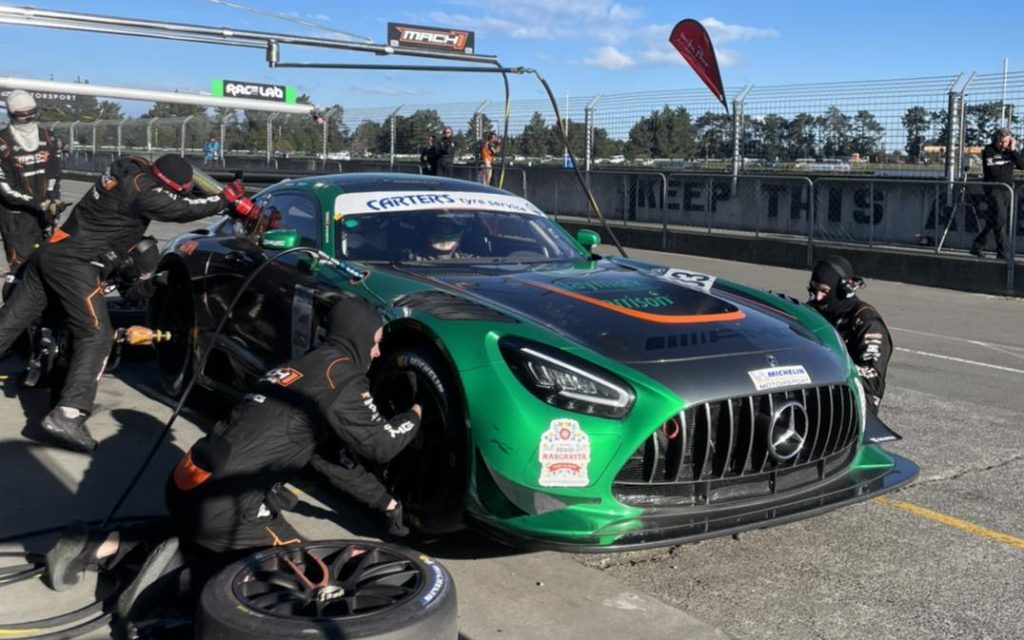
(211, 150)
(489, 148)
(445, 152)
(997, 163)
(428, 158)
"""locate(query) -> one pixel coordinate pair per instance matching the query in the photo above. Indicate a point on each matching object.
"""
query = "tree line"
(669, 132)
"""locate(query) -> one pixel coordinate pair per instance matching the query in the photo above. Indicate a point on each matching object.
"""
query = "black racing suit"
(112, 217)
(27, 178)
(219, 494)
(869, 344)
(997, 166)
(445, 151)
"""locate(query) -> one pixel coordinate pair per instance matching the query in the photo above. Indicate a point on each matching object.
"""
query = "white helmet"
(21, 106)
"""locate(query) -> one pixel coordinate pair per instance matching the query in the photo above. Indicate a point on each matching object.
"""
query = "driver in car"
(441, 242)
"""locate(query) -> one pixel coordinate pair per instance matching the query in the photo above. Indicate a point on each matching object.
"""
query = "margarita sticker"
(564, 455)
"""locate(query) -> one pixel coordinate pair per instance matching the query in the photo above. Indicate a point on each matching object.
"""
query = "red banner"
(693, 43)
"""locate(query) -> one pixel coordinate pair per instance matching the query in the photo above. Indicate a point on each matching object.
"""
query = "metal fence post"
(326, 118)
(184, 126)
(952, 124)
(228, 117)
(71, 134)
(392, 119)
(149, 137)
(478, 120)
(812, 213)
(120, 126)
(588, 125)
(270, 136)
(737, 132)
(94, 124)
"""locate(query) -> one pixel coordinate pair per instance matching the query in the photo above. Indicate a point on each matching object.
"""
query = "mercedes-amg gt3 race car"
(570, 400)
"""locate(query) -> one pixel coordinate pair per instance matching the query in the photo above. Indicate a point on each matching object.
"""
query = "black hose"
(24, 572)
(72, 632)
(188, 389)
(202, 364)
(575, 166)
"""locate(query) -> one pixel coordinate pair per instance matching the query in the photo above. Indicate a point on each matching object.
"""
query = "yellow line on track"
(956, 523)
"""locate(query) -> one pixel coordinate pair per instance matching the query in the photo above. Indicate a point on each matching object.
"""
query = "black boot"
(66, 431)
(72, 554)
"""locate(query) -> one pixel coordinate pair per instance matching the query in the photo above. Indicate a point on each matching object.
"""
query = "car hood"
(671, 324)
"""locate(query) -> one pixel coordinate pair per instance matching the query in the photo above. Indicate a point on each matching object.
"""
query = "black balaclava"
(174, 171)
(831, 271)
(352, 325)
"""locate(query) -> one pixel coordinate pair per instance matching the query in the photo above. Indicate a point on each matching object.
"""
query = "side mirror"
(587, 238)
(279, 239)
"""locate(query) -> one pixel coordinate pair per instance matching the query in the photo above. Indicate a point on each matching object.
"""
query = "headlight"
(565, 381)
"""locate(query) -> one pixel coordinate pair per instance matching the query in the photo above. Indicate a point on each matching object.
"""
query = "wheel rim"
(173, 356)
(328, 581)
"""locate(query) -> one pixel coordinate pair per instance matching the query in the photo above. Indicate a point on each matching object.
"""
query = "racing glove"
(241, 206)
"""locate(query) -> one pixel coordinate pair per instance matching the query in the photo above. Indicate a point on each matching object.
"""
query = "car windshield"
(465, 235)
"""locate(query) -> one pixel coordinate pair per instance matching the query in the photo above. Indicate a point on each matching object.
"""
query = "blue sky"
(582, 47)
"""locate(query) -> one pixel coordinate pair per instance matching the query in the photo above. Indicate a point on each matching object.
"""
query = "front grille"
(719, 451)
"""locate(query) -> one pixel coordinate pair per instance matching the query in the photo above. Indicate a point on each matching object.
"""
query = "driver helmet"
(444, 237)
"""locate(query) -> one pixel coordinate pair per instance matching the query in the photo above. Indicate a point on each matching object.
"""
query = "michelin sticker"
(778, 377)
(564, 455)
(691, 279)
(388, 201)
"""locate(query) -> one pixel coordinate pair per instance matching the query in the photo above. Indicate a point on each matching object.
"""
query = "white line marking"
(961, 360)
(992, 345)
(1003, 350)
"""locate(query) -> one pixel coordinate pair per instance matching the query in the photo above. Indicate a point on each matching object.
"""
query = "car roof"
(357, 182)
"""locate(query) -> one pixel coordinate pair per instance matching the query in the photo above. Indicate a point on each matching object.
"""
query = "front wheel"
(331, 589)
(429, 476)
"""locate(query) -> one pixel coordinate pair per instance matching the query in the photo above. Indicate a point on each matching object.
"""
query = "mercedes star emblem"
(787, 431)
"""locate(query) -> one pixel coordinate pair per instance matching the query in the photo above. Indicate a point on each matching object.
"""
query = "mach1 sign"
(432, 38)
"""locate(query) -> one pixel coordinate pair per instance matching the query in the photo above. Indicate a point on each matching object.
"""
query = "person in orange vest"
(489, 148)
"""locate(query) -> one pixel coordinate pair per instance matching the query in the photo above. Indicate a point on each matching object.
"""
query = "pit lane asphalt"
(870, 570)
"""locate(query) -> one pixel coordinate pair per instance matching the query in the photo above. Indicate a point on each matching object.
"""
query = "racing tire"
(371, 591)
(429, 475)
(173, 309)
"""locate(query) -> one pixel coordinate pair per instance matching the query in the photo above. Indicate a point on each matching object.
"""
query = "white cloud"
(609, 57)
(626, 41)
(721, 32)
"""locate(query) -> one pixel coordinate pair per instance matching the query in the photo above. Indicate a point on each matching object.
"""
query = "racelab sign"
(253, 91)
(414, 36)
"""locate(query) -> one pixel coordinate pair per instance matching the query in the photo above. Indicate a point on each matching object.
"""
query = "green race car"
(570, 400)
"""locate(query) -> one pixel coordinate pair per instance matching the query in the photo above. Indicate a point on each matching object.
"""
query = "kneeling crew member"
(225, 495)
(104, 225)
(833, 293)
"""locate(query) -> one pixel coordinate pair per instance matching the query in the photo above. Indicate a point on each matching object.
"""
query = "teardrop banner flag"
(691, 39)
